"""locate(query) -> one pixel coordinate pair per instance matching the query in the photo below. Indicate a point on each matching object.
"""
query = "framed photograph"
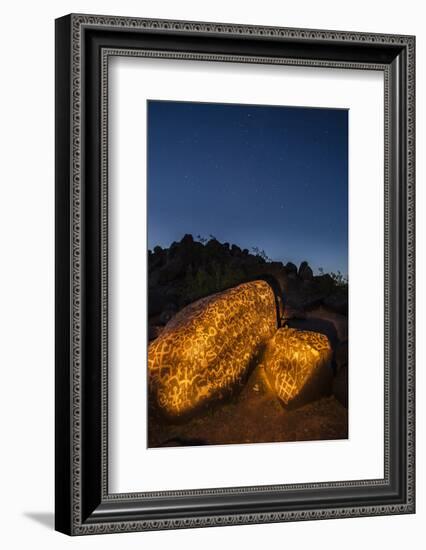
(234, 274)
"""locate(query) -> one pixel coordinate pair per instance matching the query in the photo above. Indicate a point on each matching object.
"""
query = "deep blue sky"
(256, 176)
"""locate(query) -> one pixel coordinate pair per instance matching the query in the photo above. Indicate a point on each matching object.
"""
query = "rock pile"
(190, 271)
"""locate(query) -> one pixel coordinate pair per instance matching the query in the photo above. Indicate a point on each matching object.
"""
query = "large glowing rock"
(208, 347)
(297, 365)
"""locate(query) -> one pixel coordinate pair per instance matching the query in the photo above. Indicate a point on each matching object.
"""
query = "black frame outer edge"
(95, 510)
(62, 275)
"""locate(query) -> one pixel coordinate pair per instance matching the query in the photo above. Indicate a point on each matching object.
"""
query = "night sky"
(275, 178)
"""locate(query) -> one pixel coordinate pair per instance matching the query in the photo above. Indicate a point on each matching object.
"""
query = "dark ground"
(253, 416)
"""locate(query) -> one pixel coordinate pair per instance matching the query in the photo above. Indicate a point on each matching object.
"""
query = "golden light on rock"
(208, 347)
(293, 359)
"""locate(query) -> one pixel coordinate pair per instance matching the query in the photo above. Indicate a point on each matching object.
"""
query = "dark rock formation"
(291, 269)
(340, 386)
(305, 272)
(189, 270)
(341, 356)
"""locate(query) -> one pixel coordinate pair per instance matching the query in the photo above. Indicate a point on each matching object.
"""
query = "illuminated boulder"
(208, 347)
(297, 365)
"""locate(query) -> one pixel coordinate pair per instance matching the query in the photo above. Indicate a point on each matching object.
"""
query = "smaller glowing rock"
(297, 365)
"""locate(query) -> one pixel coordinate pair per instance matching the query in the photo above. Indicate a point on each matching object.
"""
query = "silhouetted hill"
(189, 270)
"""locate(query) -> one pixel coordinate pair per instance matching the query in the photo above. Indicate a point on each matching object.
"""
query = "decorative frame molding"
(84, 43)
